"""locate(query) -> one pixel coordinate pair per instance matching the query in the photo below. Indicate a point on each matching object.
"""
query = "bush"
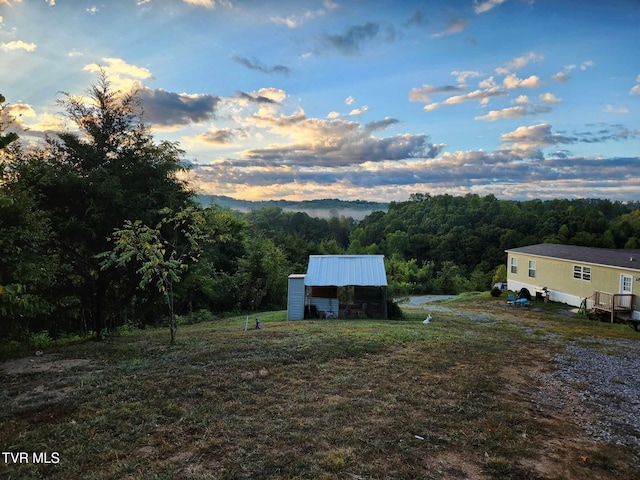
(496, 292)
(393, 310)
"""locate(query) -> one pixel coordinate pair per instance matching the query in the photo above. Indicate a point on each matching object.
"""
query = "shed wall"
(295, 299)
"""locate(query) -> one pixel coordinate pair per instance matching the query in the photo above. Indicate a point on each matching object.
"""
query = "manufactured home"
(600, 279)
(339, 286)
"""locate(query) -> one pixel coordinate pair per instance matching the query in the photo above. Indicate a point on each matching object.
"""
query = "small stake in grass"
(246, 324)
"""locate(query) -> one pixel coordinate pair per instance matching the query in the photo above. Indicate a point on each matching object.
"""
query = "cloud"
(483, 96)
(455, 25)
(480, 95)
(635, 90)
(259, 66)
(418, 19)
(172, 109)
(549, 98)
(522, 99)
(295, 21)
(587, 64)
(222, 136)
(487, 83)
(528, 141)
(256, 98)
(562, 77)
(354, 39)
(612, 109)
(511, 112)
(486, 6)
(519, 62)
(207, 3)
(358, 111)
(333, 142)
(349, 100)
(511, 81)
(18, 45)
(514, 112)
(422, 94)
(117, 66)
(461, 76)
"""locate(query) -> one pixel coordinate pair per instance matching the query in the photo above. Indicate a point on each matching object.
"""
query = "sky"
(352, 99)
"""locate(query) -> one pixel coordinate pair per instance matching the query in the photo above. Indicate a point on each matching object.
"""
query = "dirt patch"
(40, 387)
(452, 466)
(41, 363)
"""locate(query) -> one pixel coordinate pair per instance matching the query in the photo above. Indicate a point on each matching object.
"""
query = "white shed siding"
(344, 270)
(295, 300)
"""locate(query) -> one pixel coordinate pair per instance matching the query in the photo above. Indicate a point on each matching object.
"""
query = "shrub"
(496, 292)
(393, 310)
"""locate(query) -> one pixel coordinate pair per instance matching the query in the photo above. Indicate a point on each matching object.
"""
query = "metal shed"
(295, 299)
(342, 286)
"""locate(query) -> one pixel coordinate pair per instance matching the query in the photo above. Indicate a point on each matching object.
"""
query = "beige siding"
(558, 276)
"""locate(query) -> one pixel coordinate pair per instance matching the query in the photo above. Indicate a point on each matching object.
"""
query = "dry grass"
(312, 399)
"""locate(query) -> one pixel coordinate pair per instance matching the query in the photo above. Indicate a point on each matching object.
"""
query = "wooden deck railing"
(610, 302)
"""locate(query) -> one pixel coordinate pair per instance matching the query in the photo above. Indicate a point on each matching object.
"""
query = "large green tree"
(91, 180)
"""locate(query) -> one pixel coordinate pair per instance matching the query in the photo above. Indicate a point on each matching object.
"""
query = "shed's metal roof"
(343, 270)
(624, 258)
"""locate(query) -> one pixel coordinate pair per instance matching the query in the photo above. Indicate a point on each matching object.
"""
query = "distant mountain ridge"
(323, 208)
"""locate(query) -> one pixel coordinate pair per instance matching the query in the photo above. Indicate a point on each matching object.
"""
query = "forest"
(98, 233)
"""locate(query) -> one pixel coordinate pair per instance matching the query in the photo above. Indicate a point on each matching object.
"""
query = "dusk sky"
(353, 99)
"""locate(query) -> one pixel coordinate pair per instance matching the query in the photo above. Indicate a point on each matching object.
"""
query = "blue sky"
(353, 99)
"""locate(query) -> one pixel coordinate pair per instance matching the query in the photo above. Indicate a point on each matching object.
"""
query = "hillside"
(324, 208)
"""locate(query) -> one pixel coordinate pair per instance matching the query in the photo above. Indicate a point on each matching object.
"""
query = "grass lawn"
(352, 399)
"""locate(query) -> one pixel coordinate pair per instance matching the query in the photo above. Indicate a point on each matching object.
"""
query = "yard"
(482, 392)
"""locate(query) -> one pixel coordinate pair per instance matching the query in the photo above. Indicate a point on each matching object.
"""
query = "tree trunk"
(172, 321)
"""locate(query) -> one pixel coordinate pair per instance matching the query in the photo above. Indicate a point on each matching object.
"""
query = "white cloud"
(511, 81)
(431, 107)
(117, 66)
(207, 3)
(635, 90)
(461, 76)
(333, 115)
(522, 99)
(486, 6)
(349, 100)
(18, 45)
(519, 62)
(358, 111)
(480, 95)
(487, 83)
(549, 98)
(511, 112)
(612, 109)
(561, 77)
(514, 112)
(587, 64)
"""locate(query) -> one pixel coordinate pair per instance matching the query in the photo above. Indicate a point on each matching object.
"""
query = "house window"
(582, 273)
(514, 265)
(532, 268)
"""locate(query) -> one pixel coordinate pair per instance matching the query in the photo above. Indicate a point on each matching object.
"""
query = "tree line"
(98, 231)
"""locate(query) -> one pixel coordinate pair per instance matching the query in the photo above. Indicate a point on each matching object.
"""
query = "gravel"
(600, 382)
